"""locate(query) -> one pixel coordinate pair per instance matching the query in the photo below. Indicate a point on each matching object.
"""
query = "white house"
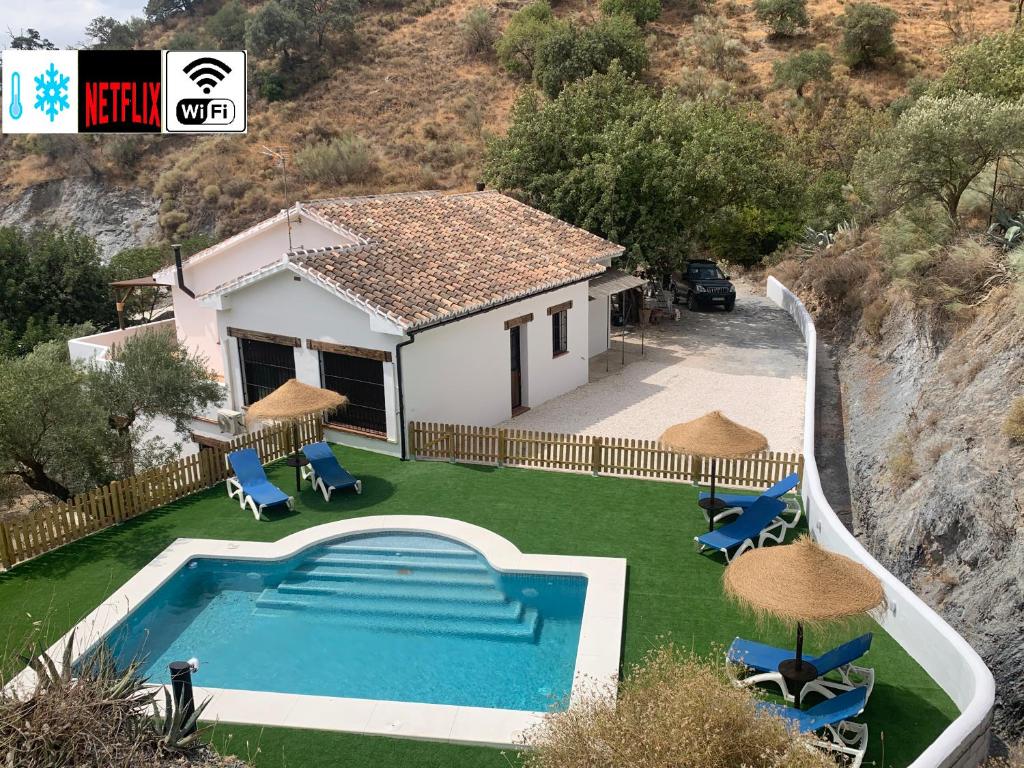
(422, 306)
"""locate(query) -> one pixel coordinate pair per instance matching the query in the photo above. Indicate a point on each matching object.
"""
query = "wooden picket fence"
(621, 457)
(51, 527)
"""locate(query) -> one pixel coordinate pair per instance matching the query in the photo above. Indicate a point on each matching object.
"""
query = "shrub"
(478, 31)
(104, 716)
(993, 66)
(227, 26)
(526, 32)
(1013, 426)
(867, 33)
(124, 150)
(712, 46)
(348, 158)
(673, 710)
(782, 17)
(802, 69)
(902, 465)
(641, 11)
(572, 53)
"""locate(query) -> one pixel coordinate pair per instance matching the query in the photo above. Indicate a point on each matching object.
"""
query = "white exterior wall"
(282, 304)
(461, 372)
(196, 324)
(600, 321)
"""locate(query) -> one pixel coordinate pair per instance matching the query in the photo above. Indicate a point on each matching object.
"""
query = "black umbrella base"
(797, 674)
(296, 461)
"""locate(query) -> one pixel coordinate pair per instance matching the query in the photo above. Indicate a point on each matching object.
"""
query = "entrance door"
(517, 378)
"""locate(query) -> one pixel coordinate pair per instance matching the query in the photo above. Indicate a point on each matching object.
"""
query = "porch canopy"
(613, 281)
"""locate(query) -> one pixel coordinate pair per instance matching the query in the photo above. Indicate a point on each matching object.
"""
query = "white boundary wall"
(946, 656)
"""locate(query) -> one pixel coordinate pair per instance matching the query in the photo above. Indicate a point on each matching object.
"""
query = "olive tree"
(867, 33)
(782, 17)
(802, 69)
(574, 52)
(937, 148)
(52, 438)
(656, 174)
(151, 374)
(992, 66)
(527, 30)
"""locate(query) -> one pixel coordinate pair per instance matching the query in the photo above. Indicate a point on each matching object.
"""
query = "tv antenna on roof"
(280, 157)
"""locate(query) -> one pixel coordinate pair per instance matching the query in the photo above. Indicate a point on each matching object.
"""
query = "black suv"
(704, 285)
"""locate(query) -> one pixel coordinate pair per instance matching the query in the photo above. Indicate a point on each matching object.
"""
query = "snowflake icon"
(52, 92)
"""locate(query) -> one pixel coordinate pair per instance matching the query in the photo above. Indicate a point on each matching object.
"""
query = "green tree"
(478, 31)
(275, 30)
(30, 40)
(641, 11)
(867, 33)
(526, 32)
(782, 17)
(660, 176)
(321, 17)
(227, 25)
(151, 374)
(52, 437)
(161, 10)
(574, 52)
(937, 148)
(803, 68)
(992, 66)
(50, 278)
(106, 32)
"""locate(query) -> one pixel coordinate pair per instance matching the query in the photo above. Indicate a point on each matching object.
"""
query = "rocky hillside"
(424, 107)
(936, 485)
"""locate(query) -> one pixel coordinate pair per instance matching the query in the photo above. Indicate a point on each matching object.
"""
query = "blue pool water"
(402, 617)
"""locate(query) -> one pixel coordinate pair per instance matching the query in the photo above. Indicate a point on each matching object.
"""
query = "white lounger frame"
(845, 738)
(775, 531)
(308, 473)
(851, 676)
(792, 506)
(245, 500)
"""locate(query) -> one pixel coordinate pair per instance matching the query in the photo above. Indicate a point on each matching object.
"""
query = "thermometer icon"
(15, 109)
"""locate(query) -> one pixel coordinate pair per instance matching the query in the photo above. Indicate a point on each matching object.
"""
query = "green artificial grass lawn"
(673, 593)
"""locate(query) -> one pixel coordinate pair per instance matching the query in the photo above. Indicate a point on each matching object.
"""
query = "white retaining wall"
(945, 656)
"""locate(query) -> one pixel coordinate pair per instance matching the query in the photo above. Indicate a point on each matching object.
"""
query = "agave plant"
(177, 731)
(1007, 231)
(815, 240)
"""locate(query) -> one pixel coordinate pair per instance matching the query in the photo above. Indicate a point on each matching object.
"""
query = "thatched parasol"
(718, 437)
(803, 583)
(290, 403)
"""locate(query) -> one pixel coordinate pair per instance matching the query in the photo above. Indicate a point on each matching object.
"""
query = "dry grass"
(902, 466)
(675, 709)
(1013, 425)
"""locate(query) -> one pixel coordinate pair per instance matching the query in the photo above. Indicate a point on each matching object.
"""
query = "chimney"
(480, 186)
(181, 275)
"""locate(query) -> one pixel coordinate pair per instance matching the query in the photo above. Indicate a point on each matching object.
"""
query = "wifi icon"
(207, 72)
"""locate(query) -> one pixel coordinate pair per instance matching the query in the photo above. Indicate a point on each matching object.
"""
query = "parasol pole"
(799, 644)
(711, 509)
(295, 454)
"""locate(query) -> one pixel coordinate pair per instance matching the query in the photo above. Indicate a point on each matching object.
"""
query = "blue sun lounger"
(759, 523)
(250, 484)
(738, 502)
(830, 718)
(325, 473)
(763, 660)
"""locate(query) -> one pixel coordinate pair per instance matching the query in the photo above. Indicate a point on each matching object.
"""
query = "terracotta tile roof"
(429, 256)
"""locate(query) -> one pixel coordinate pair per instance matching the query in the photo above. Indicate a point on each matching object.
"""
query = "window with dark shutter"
(361, 380)
(265, 367)
(559, 333)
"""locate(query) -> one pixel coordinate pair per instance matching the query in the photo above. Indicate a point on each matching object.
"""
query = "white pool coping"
(597, 657)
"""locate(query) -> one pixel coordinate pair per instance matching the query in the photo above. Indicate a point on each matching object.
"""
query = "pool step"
(428, 590)
(509, 611)
(395, 590)
(377, 551)
(524, 630)
(331, 572)
(407, 562)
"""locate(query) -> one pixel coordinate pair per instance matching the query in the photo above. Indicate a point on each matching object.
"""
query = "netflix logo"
(119, 92)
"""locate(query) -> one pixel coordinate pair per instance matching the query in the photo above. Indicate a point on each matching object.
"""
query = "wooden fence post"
(450, 437)
(502, 447)
(6, 550)
(596, 457)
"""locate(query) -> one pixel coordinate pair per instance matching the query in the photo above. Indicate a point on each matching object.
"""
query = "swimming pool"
(401, 625)
(398, 616)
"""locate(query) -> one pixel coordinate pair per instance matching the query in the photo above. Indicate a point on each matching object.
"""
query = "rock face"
(937, 489)
(116, 217)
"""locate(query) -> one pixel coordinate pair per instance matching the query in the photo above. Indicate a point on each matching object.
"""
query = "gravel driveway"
(749, 364)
